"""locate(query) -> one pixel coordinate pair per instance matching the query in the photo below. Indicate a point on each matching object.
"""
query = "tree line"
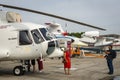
(76, 34)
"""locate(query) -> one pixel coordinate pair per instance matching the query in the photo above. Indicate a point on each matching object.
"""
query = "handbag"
(63, 61)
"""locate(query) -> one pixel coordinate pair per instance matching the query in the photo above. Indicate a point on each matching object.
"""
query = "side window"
(37, 36)
(24, 38)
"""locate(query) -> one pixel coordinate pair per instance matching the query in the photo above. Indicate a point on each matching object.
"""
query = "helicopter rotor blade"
(51, 15)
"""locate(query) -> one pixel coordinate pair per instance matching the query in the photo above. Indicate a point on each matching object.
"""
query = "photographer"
(110, 55)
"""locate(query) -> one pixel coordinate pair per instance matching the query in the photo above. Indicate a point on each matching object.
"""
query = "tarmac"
(83, 68)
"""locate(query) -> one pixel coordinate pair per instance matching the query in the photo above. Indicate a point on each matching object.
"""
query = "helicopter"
(22, 41)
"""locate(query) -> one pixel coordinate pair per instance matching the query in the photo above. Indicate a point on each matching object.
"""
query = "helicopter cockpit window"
(37, 36)
(24, 38)
(46, 34)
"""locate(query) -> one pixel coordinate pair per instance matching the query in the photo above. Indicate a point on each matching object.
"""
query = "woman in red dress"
(67, 63)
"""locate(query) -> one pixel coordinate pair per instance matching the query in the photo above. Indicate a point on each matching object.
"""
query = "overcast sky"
(101, 13)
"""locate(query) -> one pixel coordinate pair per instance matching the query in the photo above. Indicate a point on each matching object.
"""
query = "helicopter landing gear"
(18, 70)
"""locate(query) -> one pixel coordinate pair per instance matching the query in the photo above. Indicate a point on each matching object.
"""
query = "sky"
(101, 13)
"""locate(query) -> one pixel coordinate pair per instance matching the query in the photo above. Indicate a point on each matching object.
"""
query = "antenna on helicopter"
(51, 15)
(66, 27)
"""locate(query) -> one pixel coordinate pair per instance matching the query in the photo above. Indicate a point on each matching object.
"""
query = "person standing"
(40, 64)
(110, 55)
(67, 62)
(33, 64)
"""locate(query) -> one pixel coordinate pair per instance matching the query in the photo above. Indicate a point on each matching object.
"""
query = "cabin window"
(24, 38)
(37, 36)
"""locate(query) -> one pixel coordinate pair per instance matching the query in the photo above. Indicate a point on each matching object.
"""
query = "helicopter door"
(38, 39)
(25, 45)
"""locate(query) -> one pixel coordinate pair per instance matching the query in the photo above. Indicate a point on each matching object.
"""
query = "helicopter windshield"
(37, 36)
(46, 34)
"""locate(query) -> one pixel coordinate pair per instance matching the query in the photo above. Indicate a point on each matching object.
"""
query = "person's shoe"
(40, 71)
(28, 70)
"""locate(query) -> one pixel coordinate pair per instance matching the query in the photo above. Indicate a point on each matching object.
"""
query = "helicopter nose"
(53, 49)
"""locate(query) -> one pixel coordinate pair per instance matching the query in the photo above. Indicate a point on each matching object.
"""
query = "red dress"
(68, 63)
(40, 64)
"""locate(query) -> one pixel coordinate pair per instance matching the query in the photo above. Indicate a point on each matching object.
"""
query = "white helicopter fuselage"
(25, 41)
(10, 47)
(17, 42)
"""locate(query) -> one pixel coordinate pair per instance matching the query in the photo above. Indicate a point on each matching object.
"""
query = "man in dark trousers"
(110, 55)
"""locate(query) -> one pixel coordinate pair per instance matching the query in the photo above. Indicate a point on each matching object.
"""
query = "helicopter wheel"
(18, 70)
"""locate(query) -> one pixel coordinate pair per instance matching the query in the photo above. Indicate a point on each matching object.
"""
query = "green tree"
(76, 34)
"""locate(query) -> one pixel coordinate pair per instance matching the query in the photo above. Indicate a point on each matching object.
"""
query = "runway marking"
(70, 68)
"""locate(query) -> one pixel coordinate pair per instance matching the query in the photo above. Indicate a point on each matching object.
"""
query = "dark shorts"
(33, 62)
